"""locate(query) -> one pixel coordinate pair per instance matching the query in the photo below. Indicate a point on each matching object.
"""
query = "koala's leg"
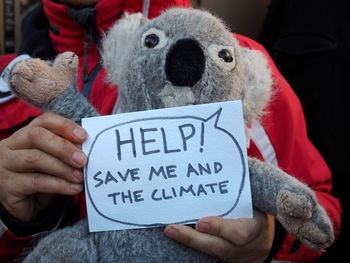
(76, 244)
(145, 245)
(71, 244)
(292, 203)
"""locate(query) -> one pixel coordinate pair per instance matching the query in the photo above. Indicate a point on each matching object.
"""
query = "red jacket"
(279, 138)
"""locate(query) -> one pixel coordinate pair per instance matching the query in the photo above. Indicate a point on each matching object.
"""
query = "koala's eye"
(154, 39)
(151, 41)
(223, 56)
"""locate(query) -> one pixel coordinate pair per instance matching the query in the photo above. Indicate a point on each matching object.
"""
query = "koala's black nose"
(185, 63)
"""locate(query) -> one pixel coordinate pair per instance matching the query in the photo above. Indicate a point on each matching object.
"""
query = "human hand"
(38, 162)
(241, 240)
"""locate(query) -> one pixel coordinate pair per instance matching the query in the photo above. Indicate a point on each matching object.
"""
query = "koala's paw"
(301, 215)
(37, 82)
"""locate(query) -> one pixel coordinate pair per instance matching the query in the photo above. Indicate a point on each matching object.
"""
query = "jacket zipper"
(88, 79)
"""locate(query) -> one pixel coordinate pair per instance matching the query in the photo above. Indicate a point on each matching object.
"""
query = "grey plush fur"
(76, 244)
(145, 82)
(72, 105)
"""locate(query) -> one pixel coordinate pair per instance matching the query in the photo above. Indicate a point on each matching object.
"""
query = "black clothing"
(310, 43)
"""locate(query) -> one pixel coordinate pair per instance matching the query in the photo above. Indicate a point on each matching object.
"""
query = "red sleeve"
(5, 60)
(285, 128)
(13, 113)
(11, 246)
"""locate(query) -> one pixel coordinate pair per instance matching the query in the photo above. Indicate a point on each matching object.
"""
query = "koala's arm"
(72, 105)
(52, 87)
(292, 203)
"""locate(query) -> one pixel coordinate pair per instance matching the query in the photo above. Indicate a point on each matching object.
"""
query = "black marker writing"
(202, 170)
(152, 142)
(185, 137)
(165, 144)
(131, 174)
(202, 137)
(129, 196)
(144, 141)
(168, 172)
(120, 143)
(190, 190)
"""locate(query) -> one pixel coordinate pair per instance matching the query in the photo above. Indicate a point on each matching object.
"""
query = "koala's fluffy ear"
(116, 43)
(257, 83)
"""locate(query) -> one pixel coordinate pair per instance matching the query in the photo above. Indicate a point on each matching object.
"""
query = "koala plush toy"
(183, 57)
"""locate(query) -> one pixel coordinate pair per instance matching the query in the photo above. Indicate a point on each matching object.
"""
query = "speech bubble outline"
(203, 120)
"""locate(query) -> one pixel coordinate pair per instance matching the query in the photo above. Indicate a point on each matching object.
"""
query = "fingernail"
(78, 174)
(171, 232)
(76, 187)
(80, 133)
(203, 227)
(79, 158)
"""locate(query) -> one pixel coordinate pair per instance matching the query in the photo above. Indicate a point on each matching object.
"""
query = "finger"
(34, 160)
(50, 143)
(60, 126)
(32, 183)
(206, 243)
(236, 231)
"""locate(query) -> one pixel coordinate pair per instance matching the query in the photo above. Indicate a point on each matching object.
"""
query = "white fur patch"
(116, 43)
(257, 87)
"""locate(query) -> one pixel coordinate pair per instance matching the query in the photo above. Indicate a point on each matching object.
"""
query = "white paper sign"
(173, 165)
